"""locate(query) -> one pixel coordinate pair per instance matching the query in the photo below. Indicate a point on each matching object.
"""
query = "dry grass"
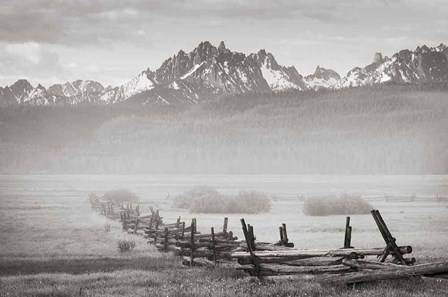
(200, 282)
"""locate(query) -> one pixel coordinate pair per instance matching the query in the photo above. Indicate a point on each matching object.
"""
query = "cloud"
(80, 22)
(30, 61)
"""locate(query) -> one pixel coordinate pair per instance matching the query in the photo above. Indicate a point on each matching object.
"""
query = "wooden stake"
(165, 244)
(224, 227)
(213, 244)
(183, 230)
(193, 228)
(285, 234)
(282, 240)
(348, 234)
(252, 236)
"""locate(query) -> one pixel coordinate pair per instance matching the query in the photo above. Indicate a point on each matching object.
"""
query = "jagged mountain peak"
(40, 87)
(222, 49)
(378, 58)
(205, 51)
(425, 64)
(325, 73)
(322, 78)
(208, 71)
(21, 84)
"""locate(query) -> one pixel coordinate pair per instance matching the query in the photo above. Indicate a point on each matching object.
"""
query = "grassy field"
(52, 244)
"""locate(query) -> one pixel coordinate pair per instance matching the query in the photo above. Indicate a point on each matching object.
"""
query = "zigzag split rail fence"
(271, 261)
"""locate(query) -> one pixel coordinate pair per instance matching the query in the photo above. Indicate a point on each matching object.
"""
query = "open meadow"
(53, 244)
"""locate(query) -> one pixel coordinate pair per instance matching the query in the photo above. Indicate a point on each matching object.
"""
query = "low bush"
(344, 205)
(125, 245)
(208, 200)
(107, 227)
(121, 195)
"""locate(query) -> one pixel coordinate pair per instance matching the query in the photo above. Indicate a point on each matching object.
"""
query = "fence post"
(224, 228)
(348, 234)
(285, 234)
(165, 245)
(251, 236)
(183, 230)
(280, 230)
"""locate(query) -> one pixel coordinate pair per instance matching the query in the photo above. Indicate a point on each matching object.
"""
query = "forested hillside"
(378, 130)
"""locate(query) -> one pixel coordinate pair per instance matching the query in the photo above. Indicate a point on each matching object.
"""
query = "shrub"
(252, 202)
(107, 227)
(187, 198)
(208, 200)
(344, 205)
(125, 245)
(121, 195)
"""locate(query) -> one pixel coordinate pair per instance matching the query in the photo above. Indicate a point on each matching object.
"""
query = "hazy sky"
(111, 41)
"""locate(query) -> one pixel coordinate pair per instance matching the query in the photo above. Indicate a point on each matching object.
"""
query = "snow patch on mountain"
(276, 79)
(192, 70)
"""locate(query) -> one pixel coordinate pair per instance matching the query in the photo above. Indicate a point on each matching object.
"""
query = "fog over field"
(377, 130)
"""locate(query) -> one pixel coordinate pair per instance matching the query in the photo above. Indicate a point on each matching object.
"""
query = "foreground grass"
(200, 282)
(54, 245)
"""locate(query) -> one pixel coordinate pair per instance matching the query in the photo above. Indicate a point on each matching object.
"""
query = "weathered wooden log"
(265, 246)
(221, 239)
(197, 244)
(218, 234)
(187, 261)
(276, 269)
(316, 261)
(320, 253)
(402, 272)
(362, 264)
(168, 248)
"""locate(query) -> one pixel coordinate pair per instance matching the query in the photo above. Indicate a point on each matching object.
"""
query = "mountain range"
(208, 72)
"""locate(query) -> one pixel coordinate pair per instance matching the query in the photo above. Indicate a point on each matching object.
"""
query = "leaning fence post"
(213, 244)
(249, 248)
(193, 227)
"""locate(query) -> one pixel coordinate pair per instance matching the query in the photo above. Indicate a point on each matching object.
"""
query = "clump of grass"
(121, 195)
(346, 204)
(107, 227)
(208, 200)
(125, 245)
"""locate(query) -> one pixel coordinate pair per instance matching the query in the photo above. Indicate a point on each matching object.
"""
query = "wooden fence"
(278, 260)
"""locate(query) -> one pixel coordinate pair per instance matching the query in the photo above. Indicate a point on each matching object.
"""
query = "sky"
(111, 41)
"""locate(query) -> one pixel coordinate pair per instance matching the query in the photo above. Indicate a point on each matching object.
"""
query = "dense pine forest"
(379, 130)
